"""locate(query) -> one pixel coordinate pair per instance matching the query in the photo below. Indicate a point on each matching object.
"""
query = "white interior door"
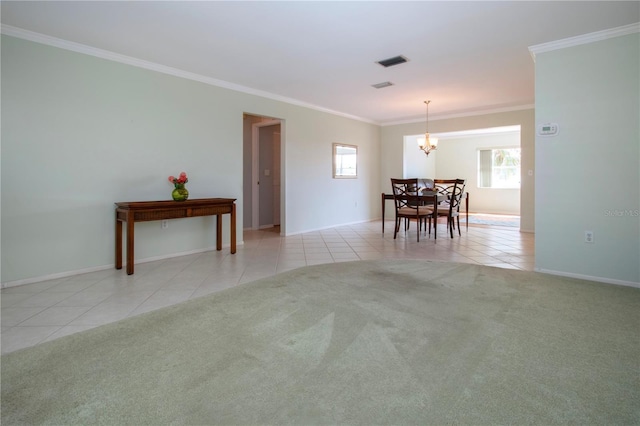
(264, 171)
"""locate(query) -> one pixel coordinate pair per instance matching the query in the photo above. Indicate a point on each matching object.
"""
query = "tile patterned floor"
(35, 313)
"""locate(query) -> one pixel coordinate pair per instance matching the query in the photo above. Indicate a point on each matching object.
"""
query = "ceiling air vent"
(383, 84)
(396, 60)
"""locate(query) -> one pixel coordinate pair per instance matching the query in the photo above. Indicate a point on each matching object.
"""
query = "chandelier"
(427, 144)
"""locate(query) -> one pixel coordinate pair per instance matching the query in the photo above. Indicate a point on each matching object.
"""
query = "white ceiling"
(466, 57)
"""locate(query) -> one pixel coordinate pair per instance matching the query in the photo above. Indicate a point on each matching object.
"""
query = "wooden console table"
(145, 211)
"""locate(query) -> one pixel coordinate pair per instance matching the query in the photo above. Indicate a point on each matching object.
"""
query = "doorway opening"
(263, 185)
(461, 155)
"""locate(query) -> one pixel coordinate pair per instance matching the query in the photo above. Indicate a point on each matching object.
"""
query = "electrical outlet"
(165, 224)
(588, 236)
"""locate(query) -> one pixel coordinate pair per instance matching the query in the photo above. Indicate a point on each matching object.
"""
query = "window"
(345, 160)
(499, 168)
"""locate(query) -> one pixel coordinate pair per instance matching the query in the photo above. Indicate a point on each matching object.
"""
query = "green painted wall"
(80, 133)
(588, 176)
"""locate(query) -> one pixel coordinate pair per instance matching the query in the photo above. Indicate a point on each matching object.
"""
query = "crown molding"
(466, 113)
(584, 39)
(116, 57)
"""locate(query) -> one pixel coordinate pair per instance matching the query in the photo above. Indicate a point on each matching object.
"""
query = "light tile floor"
(35, 313)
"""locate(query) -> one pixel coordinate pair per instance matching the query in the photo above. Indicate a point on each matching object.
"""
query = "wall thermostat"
(547, 129)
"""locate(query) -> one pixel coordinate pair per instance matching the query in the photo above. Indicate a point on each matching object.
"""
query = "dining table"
(429, 197)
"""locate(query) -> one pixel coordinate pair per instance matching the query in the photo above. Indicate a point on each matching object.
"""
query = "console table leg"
(233, 228)
(130, 236)
(218, 232)
(118, 243)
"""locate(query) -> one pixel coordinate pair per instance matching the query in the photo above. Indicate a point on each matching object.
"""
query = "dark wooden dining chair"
(453, 190)
(408, 205)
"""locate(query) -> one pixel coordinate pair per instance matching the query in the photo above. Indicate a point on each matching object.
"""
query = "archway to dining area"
(466, 155)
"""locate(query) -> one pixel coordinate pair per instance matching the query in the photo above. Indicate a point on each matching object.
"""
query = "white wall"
(458, 158)
(588, 176)
(415, 162)
(80, 133)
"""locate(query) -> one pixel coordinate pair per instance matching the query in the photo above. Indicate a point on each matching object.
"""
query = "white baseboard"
(261, 227)
(105, 267)
(589, 277)
(55, 276)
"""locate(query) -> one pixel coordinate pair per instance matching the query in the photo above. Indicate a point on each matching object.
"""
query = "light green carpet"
(371, 342)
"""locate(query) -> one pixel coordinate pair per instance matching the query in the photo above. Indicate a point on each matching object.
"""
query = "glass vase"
(180, 193)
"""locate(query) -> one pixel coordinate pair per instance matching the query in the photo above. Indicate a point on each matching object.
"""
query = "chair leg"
(458, 218)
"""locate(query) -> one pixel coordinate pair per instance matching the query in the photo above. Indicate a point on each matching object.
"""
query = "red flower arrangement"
(180, 193)
(181, 179)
